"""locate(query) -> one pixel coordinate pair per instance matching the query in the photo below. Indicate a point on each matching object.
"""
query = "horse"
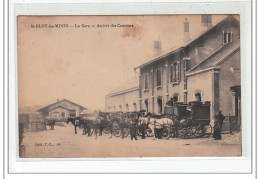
(75, 121)
(159, 124)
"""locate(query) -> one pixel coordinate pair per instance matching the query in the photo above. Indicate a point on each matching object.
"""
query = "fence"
(231, 124)
(37, 126)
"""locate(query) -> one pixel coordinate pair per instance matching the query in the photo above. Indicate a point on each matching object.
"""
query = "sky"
(83, 64)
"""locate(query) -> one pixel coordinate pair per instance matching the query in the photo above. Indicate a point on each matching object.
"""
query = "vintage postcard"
(129, 86)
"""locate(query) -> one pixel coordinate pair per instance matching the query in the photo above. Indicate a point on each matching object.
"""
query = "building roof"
(47, 108)
(216, 58)
(181, 45)
(127, 87)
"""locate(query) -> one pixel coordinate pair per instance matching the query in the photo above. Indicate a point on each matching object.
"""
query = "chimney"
(157, 45)
(186, 35)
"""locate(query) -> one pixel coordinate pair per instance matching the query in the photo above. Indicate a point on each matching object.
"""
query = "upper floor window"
(227, 37)
(159, 76)
(146, 81)
(206, 20)
(175, 73)
(126, 107)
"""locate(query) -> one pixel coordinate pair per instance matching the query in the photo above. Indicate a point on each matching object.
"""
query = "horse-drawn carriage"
(194, 119)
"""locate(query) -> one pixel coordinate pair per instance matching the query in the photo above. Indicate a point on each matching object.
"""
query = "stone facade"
(199, 70)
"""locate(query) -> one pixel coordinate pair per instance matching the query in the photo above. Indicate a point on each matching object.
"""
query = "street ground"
(63, 143)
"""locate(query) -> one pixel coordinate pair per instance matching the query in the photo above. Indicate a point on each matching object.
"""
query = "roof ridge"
(184, 45)
(230, 53)
(216, 51)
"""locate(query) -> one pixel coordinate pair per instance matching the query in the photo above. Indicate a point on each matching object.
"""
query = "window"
(146, 105)
(159, 102)
(159, 76)
(186, 26)
(198, 96)
(120, 107)
(62, 114)
(135, 108)
(175, 74)
(146, 81)
(206, 20)
(227, 37)
(72, 113)
(114, 108)
(126, 107)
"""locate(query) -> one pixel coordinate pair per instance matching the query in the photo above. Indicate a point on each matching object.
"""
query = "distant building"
(124, 98)
(61, 109)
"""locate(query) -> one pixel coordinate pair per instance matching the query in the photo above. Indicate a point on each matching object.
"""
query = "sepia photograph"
(117, 86)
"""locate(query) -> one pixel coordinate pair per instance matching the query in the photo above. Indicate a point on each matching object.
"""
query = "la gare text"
(39, 26)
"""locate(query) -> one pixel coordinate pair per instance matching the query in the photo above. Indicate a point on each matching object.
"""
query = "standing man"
(133, 127)
(122, 124)
(220, 118)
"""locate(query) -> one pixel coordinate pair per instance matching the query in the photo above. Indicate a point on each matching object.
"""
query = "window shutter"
(171, 73)
(225, 37)
(146, 80)
(179, 71)
(229, 37)
(161, 76)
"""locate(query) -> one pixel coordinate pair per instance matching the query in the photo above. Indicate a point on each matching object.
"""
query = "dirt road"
(63, 143)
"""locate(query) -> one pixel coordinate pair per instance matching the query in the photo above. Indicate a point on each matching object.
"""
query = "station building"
(204, 67)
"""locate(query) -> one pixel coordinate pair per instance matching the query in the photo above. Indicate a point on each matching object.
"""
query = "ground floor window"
(134, 106)
(146, 105)
(62, 114)
(159, 102)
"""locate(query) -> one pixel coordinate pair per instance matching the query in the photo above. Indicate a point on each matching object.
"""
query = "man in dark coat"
(220, 118)
(133, 127)
(218, 126)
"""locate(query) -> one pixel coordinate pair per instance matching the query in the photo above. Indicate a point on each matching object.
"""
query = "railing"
(231, 124)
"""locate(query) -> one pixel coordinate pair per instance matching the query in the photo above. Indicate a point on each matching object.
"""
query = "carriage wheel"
(199, 131)
(106, 130)
(165, 132)
(184, 133)
(149, 132)
(203, 130)
(207, 130)
(126, 132)
(117, 133)
(138, 132)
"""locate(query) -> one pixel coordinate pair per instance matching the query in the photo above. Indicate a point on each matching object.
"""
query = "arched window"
(146, 104)
(126, 107)
(197, 96)
(120, 107)
(134, 106)
(159, 102)
(114, 108)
